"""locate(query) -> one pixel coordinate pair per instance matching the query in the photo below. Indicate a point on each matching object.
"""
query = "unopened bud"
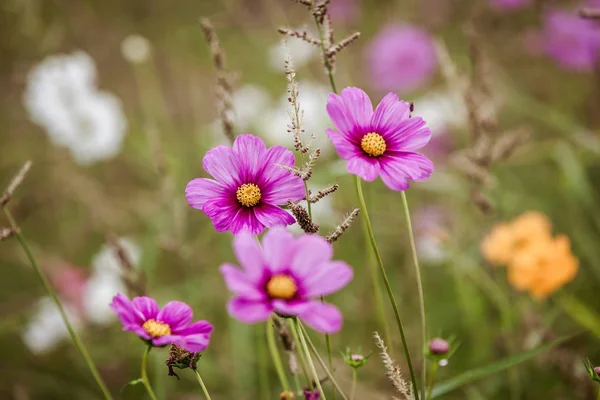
(287, 396)
(438, 346)
(597, 370)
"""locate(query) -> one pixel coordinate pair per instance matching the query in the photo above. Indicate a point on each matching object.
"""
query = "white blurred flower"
(441, 110)
(61, 97)
(106, 280)
(313, 101)
(431, 231)
(135, 49)
(46, 329)
(300, 53)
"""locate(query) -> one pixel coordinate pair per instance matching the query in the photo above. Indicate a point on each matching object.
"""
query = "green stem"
(263, 363)
(413, 249)
(434, 368)
(310, 361)
(581, 313)
(74, 336)
(354, 379)
(598, 397)
(275, 356)
(145, 374)
(201, 382)
(300, 354)
(388, 287)
(316, 353)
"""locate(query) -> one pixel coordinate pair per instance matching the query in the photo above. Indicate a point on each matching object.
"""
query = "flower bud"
(287, 396)
(597, 370)
(438, 346)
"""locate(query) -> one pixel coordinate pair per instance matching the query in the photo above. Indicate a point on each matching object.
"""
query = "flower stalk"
(309, 358)
(202, 385)
(145, 380)
(285, 385)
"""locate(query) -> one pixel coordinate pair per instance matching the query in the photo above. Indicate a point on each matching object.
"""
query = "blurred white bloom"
(299, 51)
(441, 110)
(431, 231)
(313, 101)
(106, 281)
(135, 49)
(61, 97)
(46, 329)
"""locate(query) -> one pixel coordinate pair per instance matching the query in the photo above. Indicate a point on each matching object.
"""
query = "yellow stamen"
(373, 144)
(282, 287)
(156, 328)
(248, 195)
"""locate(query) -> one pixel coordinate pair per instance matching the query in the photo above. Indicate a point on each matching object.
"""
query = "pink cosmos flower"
(171, 325)
(572, 41)
(286, 275)
(401, 58)
(379, 143)
(509, 5)
(248, 188)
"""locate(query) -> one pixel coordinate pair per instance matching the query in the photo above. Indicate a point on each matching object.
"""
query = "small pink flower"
(401, 58)
(248, 188)
(171, 325)
(509, 5)
(286, 275)
(573, 42)
(379, 143)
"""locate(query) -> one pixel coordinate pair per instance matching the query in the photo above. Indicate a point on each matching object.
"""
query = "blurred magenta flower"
(401, 58)
(344, 11)
(284, 276)
(312, 394)
(248, 188)
(379, 143)
(509, 5)
(171, 325)
(573, 42)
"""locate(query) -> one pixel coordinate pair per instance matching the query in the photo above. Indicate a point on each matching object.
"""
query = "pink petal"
(146, 306)
(250, 152)
(323, 317)
(240, 284)
(222, 163)
(245, 221)
(138, 330)
(291, 307)
(344, 147)
(198, 191)
(249, 254)
(389, 114)
(271, 172)
(411, 134)
(328, 278)
(194, 337)
(350, 111)
(249, 311)
(398, 167)
(221, 212)
(176, 314)
(125, 310)
(271, 216)
(311, 252)
(278, 246)
(365, 167)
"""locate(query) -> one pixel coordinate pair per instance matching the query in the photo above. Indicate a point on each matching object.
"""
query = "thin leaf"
(131, 383)
(482, 372)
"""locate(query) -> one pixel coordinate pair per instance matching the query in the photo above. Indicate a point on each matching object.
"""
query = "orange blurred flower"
(508, 239)
(537, 262)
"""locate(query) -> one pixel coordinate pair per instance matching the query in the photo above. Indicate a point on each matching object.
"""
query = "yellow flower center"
(373, 144)
(156, 328)
(248, 195)
(282, 287)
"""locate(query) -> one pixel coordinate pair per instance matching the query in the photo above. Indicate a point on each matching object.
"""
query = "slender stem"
(316, 353)
(413, 248)
(145, 374)
(308, 205)
(434, 368)
(201, 382)
(263, 363)
(74, 336)
(275, 356)
(300, 354)
(388, 287)
(354, 378)
(310, 361)
(324, 54)
(598, 398)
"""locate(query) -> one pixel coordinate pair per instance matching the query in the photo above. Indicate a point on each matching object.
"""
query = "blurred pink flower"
(401, 58)
(344, 11)
(509, 5)
(570, 40)
(70, 283)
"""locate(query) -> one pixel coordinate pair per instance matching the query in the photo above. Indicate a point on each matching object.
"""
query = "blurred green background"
(67, 210)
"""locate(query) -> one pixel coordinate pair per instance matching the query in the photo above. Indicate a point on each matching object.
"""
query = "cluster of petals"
(537, 262)
(286, 275)
(379, 143)
(170, 325)
(249, 186)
